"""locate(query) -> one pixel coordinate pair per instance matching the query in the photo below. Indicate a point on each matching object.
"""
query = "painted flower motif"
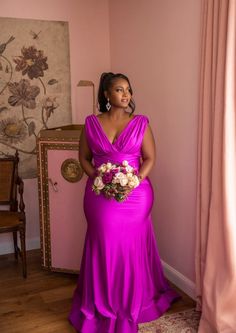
(12, 130)
(31, 62)
(49, 104)
(23, 94)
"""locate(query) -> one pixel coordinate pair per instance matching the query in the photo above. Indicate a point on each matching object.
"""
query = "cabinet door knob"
(54, 185)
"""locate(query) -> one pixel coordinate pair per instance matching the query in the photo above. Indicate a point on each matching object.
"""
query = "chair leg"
(15, 244)
(23, 251)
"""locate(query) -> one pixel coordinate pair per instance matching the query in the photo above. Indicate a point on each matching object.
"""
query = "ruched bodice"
(121, 281)
(126, 147)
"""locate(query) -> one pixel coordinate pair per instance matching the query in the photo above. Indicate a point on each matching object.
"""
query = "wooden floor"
(40, 304)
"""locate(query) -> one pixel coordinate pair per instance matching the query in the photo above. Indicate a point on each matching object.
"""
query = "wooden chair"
(13, 219)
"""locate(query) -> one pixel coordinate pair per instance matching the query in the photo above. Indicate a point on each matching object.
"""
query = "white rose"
(125, 163)
(131, 184)
(102, 168)
(123, 181)
(109, 166)
(99, 183)
(129, 168)
(129, 175)
(119, 175)
(136, 181)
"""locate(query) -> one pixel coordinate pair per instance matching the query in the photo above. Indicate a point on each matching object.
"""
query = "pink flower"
(107, 177)
(114, 171)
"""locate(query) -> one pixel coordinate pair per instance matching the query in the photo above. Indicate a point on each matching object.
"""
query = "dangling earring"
(108, 105)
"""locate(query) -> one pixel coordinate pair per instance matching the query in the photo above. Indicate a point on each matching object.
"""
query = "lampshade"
(85, 83)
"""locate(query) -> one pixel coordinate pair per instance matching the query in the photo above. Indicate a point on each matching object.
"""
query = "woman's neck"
(116, 113)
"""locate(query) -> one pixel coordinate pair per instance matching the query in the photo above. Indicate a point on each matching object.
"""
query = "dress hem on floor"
(101, 324)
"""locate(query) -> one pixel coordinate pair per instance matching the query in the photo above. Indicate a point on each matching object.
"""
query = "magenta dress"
(121, 282)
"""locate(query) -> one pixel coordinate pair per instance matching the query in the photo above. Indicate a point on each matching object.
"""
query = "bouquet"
(115, 180)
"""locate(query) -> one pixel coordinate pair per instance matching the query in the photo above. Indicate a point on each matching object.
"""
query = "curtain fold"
(216, 179)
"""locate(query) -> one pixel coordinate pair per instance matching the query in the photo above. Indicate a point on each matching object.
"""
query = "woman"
(121, 281)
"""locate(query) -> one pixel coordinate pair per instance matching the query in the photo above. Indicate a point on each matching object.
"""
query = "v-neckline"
(121, 133)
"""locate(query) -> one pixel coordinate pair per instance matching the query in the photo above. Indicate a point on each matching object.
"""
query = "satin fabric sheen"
(121, 282)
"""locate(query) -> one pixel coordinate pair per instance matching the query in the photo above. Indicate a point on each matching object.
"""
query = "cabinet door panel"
(67, 220)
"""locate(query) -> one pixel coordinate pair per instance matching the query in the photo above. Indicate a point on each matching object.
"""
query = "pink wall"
(89, 56)
(156, 43)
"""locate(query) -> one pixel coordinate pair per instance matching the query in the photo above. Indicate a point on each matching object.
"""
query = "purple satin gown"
(121, 282)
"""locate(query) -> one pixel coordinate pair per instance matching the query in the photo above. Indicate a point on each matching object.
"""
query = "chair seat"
(10, 220)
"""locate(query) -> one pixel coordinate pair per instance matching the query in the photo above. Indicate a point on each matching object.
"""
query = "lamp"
(86, 83)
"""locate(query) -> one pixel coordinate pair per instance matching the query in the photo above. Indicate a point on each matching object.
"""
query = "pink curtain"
(216, 197)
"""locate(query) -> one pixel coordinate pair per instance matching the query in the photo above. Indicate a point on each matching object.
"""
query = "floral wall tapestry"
(34, 85)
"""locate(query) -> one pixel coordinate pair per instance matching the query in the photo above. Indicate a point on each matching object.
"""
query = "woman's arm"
(85, 156)
(148, 153)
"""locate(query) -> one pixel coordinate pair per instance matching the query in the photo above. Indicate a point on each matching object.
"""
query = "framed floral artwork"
(35, 91)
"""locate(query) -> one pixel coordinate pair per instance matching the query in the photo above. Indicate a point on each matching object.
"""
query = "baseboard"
(31, 244)
(178, 279)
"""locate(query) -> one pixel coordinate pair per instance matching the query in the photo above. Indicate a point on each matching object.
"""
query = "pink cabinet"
(61, 185)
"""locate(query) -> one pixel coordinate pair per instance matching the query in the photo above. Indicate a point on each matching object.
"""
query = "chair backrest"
(8, 181)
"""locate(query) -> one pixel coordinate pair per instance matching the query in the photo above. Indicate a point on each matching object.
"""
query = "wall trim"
(31, 244)
(178, 279)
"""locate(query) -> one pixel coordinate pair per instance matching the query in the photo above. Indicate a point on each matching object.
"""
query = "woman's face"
(119, 93)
